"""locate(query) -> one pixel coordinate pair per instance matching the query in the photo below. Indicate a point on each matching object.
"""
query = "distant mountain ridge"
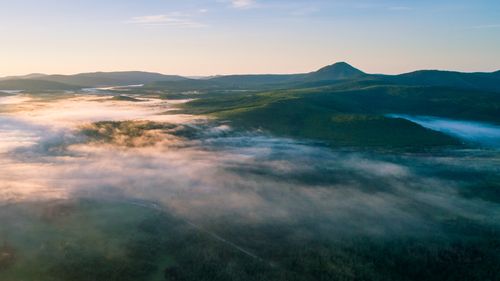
(102, 79)
(35, 85)
(87, 80)
(440, 78)
(334, 73)
(28, 76)
(341, 72)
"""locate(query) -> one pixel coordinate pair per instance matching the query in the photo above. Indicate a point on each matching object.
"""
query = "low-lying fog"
(98, 188)
(221, 174)
(476, 132)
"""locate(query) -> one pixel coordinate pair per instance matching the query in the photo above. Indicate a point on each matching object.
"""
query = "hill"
(256, 79)
(96, 79)
(29, 76)
(351, 114)
(337, 104)
(103, 79)
(476, 81)
(35, 85)
(334, 72)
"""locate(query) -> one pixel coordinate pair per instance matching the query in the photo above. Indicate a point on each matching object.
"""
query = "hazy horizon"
(218, 37)
(252, 73)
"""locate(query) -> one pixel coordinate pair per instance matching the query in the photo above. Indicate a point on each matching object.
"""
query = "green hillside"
(341, 118)
(352, 113)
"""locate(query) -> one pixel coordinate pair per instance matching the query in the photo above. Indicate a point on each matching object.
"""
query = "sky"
(210, 37)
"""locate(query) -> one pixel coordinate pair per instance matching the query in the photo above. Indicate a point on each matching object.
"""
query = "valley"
(339, 181)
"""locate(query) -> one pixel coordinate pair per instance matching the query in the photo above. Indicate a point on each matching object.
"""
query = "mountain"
(229, 82)
(96, 79)
(29, 76)
(453, 79)
(337, 71)
(341, 105)
(35, 85)
(102, 79)
(332, 73)
(257, 79)
(340, 72)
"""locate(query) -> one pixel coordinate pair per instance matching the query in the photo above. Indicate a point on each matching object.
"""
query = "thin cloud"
(486, 26)
(243, 4)
(383, 7)
(173, 19)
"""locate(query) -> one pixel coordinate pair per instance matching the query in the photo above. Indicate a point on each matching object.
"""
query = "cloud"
(486, 26)
(382, 7)
(173, 19)
(242, 4)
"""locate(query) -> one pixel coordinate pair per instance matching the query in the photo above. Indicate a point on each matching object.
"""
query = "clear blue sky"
(205, 37)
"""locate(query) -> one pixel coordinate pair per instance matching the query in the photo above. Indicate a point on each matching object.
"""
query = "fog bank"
(476, 132)
(232, 177)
